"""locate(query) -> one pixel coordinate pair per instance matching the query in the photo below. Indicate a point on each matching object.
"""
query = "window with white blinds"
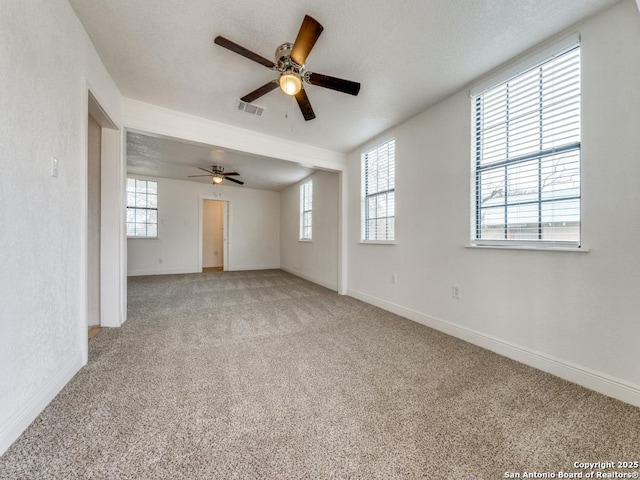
(306, 210)
(142, 208)
(527, 155)
(379, 193)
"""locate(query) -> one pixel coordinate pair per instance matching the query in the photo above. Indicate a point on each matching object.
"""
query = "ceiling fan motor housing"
(284, 64)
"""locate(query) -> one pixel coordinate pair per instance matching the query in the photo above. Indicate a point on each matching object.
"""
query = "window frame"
(517, 70)
(306, 193)
(146, 208)
(365, 233)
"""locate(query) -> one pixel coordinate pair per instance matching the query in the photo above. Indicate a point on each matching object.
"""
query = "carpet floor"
(264, 375)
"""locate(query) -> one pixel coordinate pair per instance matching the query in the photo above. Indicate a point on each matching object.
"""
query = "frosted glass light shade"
(290, 84)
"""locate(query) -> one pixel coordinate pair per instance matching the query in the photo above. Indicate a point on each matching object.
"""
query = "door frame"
(113, 301)
(225, 230)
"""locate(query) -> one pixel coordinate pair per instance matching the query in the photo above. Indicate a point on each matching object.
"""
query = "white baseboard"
(254, 267)
(329, 285)
(182, 271)
(600, 382)
(20, 420)
(174, 271)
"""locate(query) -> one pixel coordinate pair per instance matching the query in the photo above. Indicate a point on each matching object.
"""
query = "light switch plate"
(54, 167)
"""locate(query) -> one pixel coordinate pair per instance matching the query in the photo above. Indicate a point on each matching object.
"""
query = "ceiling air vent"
(249, 108)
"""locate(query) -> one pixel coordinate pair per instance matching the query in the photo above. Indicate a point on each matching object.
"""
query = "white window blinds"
(527, 155)
(306, 210)
(378, 193)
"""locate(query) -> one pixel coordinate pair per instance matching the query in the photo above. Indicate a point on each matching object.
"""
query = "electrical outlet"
(394, 278)
(159, 260)
(455, 291)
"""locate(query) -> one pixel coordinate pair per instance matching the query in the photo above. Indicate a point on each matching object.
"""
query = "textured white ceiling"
(408, 55)
(157, 156)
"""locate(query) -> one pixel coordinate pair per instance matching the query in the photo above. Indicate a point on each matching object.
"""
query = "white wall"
(317, 260)
(46, 63)
(254, 229)
(574, 314)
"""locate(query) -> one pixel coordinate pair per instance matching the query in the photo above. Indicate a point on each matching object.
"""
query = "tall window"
(306, 210)
(527, 155)
(379, 193)
(142, 208)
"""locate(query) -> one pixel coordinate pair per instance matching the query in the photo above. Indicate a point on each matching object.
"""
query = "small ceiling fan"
(290, 64)
(218, 175)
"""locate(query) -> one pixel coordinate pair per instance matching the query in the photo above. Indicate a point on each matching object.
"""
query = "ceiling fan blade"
(205, 170)
(191, 176)
(305, 105)
(235, 181)
(338, 84)
(260, 91)
(231, 173)
(240, 50)
(309, 32)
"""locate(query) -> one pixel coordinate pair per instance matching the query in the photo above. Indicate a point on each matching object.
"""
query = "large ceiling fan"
(290, 64)
(218, 175)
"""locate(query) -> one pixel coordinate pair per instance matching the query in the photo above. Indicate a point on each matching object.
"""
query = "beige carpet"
(264, 375)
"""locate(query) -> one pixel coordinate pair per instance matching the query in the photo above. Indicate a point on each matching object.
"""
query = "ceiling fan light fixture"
(217, 179)
(290, 84)
(290, 60)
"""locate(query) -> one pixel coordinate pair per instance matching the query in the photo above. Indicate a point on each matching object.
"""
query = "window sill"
(142, 238)
(529, 247)
(305, 240)
(378, 242)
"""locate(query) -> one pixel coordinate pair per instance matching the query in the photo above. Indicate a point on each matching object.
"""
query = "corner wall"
(46, 63)
(572, 314)
(316, 260)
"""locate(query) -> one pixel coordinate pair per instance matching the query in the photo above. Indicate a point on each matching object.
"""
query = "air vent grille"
(250, 108)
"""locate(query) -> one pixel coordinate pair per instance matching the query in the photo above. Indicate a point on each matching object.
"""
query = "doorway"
(94, 207)
(97, 123)
(214, 251)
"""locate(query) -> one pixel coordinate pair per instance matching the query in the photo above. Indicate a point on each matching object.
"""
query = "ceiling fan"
(290, 65)
(218, 175)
